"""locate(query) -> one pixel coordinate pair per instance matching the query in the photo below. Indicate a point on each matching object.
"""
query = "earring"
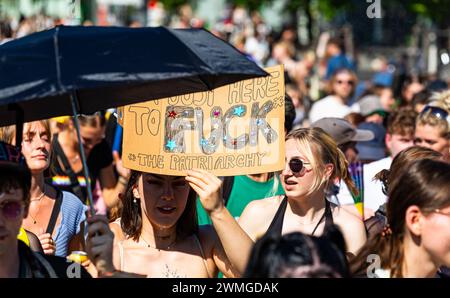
(134, 200)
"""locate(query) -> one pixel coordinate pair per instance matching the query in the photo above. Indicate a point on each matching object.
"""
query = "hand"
(99, 245)
(207, 186)
(47, 243)
(121, 170)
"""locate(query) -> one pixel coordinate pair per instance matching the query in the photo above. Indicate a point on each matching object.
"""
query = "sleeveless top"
(276, 226)
(122, 258)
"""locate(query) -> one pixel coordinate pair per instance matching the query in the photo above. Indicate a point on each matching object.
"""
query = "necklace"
(159, 249)
(39, 206)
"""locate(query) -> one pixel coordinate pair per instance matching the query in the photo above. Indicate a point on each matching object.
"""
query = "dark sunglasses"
(340, 82)
(296, 165)
(11, 209)
(437, 112)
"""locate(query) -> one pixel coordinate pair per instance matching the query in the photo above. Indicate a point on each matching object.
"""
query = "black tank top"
(276, 226)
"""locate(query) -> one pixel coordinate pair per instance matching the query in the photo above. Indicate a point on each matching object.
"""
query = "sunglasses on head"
(296, 165)
(437, 112)
(11, 209)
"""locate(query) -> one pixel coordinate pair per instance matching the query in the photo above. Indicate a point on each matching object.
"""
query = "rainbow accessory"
(356, 172)
(65, 180)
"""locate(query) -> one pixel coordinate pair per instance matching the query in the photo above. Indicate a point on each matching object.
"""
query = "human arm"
(111, 186)
(235, 242)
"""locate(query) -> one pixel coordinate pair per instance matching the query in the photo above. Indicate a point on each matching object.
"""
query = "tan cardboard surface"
(233, 130)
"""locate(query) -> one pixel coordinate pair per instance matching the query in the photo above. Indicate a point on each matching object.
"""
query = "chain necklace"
(39, 206)
(168, 247)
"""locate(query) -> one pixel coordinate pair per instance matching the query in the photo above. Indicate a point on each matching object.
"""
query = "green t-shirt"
(243, 192)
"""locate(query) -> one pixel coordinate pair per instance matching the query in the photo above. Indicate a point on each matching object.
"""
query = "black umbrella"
(80, 70)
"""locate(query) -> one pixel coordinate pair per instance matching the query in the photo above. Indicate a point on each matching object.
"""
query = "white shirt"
(373, 190)
(328, 106)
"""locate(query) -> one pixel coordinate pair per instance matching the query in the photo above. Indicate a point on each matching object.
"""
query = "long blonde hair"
(315, 142)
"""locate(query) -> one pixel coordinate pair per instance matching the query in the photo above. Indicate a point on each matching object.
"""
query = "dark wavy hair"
(16, 176)
(299, 255)
(131, 215)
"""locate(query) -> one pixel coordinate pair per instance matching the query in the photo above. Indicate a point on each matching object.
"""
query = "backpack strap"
(55, 212)
(74, 184)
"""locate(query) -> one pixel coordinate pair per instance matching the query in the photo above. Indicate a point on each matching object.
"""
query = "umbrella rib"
(57, 63)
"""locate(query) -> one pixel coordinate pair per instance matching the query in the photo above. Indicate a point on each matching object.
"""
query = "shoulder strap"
(55, 212)
(276, 226)
(74, 184)
(227, 186)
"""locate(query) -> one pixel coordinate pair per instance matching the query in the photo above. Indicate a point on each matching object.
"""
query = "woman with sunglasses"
(56, 217)
(67, 168)
(340, 89)
(313, 164)
(433, 125)
(416, 241)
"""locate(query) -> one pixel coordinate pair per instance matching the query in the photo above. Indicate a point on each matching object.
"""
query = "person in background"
(375, 149)
(433, 125)
(313, 163)
(340, 89)
(67, 166)
(410, 88)
(417, 239)
(17, 260)
(399, 136)
(56, 217)
(420, 100)
(336, 58)
(371, 109)
(298, 255)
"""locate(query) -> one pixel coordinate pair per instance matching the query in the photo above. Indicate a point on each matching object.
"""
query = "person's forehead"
(427, 131)
(294, 149)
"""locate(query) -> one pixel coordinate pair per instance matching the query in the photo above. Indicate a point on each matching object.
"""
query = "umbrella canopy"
(111, 66)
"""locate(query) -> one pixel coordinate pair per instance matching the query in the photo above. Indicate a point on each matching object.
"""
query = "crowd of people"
(366, 174)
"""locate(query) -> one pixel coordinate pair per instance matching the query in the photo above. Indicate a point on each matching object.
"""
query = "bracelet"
(123, 180)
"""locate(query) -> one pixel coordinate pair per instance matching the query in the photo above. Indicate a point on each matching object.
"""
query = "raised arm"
(235, 242)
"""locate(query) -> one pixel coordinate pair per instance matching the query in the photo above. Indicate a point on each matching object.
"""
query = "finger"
(198, 190)
(197, 181)
(116, 156)
(207, 176)
(47, 241)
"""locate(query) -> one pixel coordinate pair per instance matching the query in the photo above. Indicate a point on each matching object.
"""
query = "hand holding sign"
(207, 186)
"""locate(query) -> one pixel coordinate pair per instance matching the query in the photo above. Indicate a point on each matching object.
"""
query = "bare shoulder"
(262, 207)
(117, 231)
(258, 215)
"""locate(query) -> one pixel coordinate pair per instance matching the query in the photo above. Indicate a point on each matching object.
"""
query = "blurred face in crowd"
(36, 146)
(11, 216)
(343, 84)
(396, 143)
(298, 184)
(91, 136)
(163, 198)
(430, 137)
(412, 89)
(387, 99)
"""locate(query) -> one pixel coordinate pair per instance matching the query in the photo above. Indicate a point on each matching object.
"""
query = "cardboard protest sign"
(233, 130)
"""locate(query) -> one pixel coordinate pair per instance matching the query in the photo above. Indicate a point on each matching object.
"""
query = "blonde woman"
(313, 162)
(433, 125)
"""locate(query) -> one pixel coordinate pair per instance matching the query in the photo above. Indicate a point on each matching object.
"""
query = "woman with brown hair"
(340, 89)
(313, 164)
(159, 234)
(417, 240)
